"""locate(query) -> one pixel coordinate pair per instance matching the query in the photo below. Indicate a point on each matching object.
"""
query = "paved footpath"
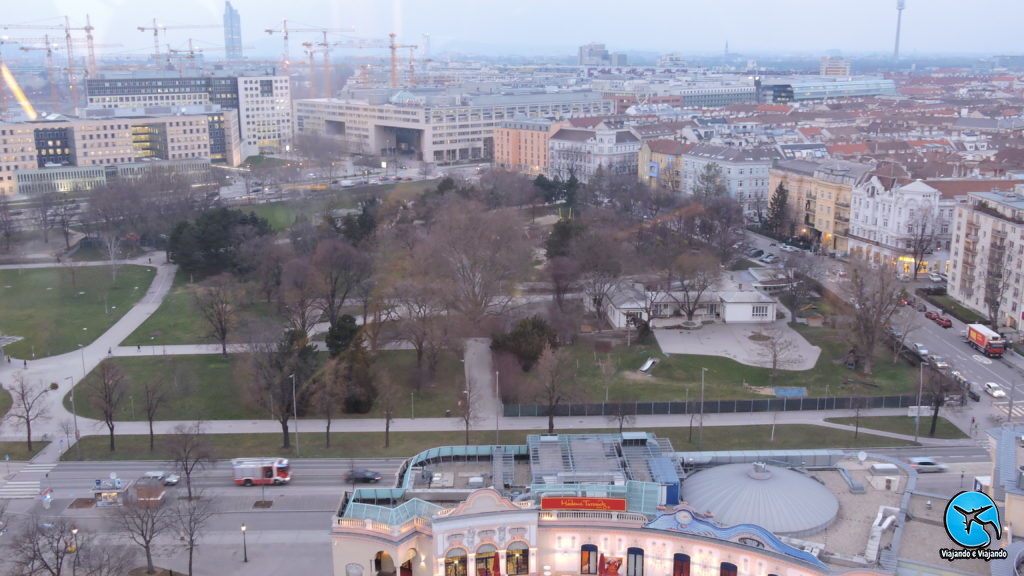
(68, 369)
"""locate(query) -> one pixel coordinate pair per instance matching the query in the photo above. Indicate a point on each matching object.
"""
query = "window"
(635, 562)
(517, 559)
(486, 558)
(680, 565)
(727, 569)
(588, 559)
(760, 311)
(455, 562)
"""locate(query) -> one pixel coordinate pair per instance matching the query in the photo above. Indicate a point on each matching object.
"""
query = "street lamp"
(700, 433)
(245, 549)
(497, 409)
(917, 409)
(295, 409)
(74, 561)
(74, 415)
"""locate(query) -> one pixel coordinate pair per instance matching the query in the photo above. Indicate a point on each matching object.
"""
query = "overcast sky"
(554, 27)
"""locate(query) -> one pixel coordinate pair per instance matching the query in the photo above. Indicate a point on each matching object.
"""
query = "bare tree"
(190, 518)
(64, 213)
(469, 409)
(697, 272)
(425, 169)
(599, 258)
(323, 151)
(190, 451)
(107, 392)
(53, 546)
(387, 399)
(339, 267)
(142, 523)
(556, 381)
(330, 387)
(27, 405)
(776, 348)
(216, 300)
(938, 384)
(921, 241)
(421, 305)
(480, 254)
(623, 415)
(997, 282)
(564, 273)
(875, 296)
(278, 376)
(299, 291)
(155, 393)
(43, 210)
(905, 325)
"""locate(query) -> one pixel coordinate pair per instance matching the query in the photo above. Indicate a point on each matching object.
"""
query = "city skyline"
(531, 27)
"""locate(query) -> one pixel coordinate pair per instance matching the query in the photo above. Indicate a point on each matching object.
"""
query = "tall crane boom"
(286, 32)
(157, 28)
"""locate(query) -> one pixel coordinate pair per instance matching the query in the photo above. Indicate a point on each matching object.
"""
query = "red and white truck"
(253, 471)
(985, 340)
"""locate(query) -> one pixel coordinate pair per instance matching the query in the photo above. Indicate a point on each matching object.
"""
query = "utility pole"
(497, 414)
(295, 409)
(917, 409)
(700, 433)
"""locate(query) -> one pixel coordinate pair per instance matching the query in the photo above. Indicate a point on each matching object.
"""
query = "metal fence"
(716, 406)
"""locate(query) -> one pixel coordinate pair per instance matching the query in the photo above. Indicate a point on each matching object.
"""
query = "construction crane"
(285, 33)
(70, 47)
(191, 52)
(157, 28)
(50, 70)
(391, 45)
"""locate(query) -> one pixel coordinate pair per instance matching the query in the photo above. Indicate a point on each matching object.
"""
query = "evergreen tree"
(710, 183)
(777, 209)
(340, 334)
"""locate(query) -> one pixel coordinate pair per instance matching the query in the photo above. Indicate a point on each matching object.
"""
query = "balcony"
(998, 234)
(842, 219)
(843, 204)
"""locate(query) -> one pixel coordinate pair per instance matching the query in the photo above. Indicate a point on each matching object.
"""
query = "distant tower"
(232, 33)
(900, 5)
(726, 47)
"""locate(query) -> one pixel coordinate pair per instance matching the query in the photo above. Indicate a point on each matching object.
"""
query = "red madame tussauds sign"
(572, 503)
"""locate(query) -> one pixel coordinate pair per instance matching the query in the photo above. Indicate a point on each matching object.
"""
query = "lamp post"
(245, 549)
(295, 409)
(74, 561)
(700, 433)
(412, 405)
(917, 409)
(497, 410)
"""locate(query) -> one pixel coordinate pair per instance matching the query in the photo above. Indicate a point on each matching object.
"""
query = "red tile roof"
(778, 108)
(954, 188)
(847, 149)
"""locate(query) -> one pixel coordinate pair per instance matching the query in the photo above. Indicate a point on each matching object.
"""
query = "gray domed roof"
(783, 501)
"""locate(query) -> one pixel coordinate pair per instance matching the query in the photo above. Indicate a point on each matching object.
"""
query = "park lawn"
(18, 451)
(442, 393)
(677, 377)
(904, 425)
(404, 444)
(962, 312)
(202, 388)
(178, 322)
(5, 402)
(205, 388)
(52, 316)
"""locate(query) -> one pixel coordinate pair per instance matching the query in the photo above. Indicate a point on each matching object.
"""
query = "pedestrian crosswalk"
(1001, 408)
(41, 468)
(15, 490)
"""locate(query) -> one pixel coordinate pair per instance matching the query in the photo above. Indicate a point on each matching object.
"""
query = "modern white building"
(580, 151)
(744, 171)
(988, 265)
(431, 125)
(728, 302)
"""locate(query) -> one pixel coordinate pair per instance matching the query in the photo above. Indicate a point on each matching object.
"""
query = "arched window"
(635, 562)
(727, 569)
(517, 559)
(486, 561)
(455, 563)
(588, 559)
(680, 565)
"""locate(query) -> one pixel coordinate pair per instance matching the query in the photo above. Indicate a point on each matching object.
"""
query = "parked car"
(755, 253)
(943, 321)
(920, 350)
(972, 390)
(935, 278)
(938, 362)
(925, 464)
(362, 475)
(994, 390)
(920, 306)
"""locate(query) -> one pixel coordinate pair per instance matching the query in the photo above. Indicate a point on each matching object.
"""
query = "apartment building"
(745, 171)
(834, 66)
(522, 144)
(580, 152)
(820, 198)
(17, 153)
(660, 163)
(798, 178)
(265, 114)
(434, 126)
(988, 255)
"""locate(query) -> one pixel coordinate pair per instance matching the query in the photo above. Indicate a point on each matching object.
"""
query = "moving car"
(167, 479)
(362, 475)
(931, 315)
(938, 362)
(994, 390)
(943, 321)
(925, 464)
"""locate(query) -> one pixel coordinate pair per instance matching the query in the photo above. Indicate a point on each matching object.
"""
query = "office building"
(986, 271)
(581, 152)
(232, 33)
(834, 66)
(443, 128)
(263, 102)
(18, 153)
(798, 89)
(598, 55)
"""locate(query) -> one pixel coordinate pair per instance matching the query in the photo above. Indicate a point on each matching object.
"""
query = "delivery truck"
(985, 340)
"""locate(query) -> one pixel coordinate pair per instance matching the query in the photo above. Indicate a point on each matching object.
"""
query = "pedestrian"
(25, 363)
(138, 348)
(109, 350)
(972, 421)
(151, 260)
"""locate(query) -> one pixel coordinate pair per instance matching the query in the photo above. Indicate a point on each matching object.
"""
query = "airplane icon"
(971, 517)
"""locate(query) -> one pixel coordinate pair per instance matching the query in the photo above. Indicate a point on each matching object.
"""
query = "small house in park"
(727, 302)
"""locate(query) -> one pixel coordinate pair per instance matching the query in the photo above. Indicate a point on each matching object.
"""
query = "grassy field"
(403, 444)
(905, 425)
(677, 377)
(53, 316)
(5, 402)
(961, 312)
(178, 322)
(205, 387)
(18, 451)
